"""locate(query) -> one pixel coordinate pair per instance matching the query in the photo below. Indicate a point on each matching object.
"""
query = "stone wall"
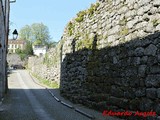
(109, 56)
(48, 66)
(112, 56)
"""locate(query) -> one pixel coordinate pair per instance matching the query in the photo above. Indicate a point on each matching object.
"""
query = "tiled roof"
(16, 41)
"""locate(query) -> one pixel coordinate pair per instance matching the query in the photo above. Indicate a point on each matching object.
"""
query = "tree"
(51, 44)
(26, 52)
(25, 33)
(37, 33)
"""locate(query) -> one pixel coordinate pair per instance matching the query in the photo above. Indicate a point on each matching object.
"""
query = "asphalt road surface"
(27, 100)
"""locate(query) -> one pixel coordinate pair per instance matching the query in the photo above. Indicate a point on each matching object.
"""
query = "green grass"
(45, 82)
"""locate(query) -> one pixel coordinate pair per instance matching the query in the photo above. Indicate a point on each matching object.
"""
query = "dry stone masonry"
(109, 56)
(47, 67)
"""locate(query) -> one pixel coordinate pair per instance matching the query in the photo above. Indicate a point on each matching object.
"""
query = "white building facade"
(39, 50)
(13, 45)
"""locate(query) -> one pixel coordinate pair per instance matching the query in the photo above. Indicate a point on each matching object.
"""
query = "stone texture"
(152, 81)
(142, 70)
(155, 69)
(151, 93)
(158, 92)
(150, 50)
(116, 57)
(156, 3)
(131, 23)
(139, 51)
(140, 92)
(4, 26)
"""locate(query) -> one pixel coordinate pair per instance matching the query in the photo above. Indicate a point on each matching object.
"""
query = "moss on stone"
(86, 43)
(106, 36)
(123, 21)
(50, 61)
(70, 28)
(92, 9)
(90, 12)
(155, 22)
(124, 31)
(80, 16)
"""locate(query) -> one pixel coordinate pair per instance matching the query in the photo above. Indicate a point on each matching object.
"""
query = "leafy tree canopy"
(25, 33)
(26, 51)
(37, 33)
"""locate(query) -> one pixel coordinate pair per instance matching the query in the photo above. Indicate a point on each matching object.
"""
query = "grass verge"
(48, 83)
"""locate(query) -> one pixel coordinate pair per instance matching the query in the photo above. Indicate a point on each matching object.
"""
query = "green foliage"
(86, 43)
(124, 31)
(40, 33)
(25, 33)
(80, 16)
(37, 42)
(155, 22)
(123, 21)
(51, 44)
(26, 51)
(46, 59)
(106, 36)
(18, 51)
(22, 56)
(90, 12)
(37, 33)
(53, 60)
(92, 9)
(70, 28)
(48, 83)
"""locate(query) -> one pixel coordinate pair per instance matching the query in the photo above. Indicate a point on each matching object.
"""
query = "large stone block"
(150, 50)
(146, 104)
(142, 70)
(117, 92)
(141, 92)
(155, 69)
(139, 51)
(152, 81)
(134, 104)
(151, 93)
(158, 92)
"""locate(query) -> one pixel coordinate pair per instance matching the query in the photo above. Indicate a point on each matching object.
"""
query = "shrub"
(80, 16)
(70, 28)
(92, 9)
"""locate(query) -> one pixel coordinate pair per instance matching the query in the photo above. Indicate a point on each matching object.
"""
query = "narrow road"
(27, 100)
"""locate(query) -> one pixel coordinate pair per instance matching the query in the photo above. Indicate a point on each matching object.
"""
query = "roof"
(16, 41)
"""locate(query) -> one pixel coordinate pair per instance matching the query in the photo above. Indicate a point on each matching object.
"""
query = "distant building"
(15, 44)
(39, 50)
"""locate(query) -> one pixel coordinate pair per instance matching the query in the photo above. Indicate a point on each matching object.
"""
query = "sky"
(55, 14)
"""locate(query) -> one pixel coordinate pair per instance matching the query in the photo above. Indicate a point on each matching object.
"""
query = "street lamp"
(15, 34)
(13, 1)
